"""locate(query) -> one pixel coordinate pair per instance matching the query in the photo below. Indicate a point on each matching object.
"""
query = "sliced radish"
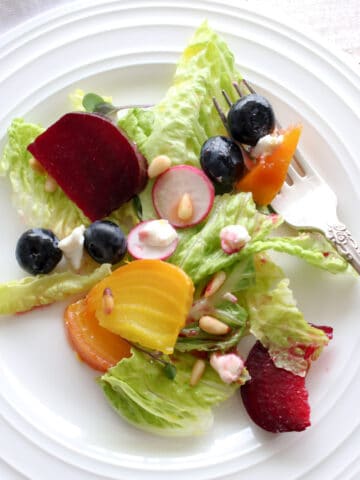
(183, 195)
(152, 239)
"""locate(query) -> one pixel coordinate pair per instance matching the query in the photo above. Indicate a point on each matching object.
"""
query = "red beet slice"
(97, 167)
(275, 399)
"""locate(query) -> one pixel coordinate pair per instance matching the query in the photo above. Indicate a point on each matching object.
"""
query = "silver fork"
(306, 201)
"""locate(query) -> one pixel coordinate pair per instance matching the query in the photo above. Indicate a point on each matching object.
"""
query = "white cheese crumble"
(73, 245)
(266, 145)
(158, 233)
(228, 366)
(233, 238)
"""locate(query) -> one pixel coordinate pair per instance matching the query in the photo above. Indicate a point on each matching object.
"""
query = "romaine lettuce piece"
(193, 338)
(40, 208)
(30, 292)
(199, 251)
(232, 314)
(138, 124)
(186, 117)
(275, 320)
(312, 247)
(239, 276)
(139, 391)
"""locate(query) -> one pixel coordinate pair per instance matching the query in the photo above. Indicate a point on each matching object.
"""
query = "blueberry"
(37, 251)
(222, 161)
(105, 242)
(250, 118)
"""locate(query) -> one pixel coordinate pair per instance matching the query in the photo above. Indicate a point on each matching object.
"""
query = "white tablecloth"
(336, 21)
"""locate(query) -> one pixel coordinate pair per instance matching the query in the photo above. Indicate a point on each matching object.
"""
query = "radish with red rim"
(182, 189)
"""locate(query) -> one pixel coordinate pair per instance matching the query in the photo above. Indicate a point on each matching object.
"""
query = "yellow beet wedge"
(151, 300)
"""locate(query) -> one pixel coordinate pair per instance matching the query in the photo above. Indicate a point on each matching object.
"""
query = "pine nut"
(185, 208)
(213, 325)
(108, 301)
(197, 372)
(230, 297)
(50, 184)
(158, 165)
(35, 165)
(215, 283)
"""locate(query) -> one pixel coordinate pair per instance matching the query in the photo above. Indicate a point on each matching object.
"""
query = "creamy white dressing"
(158, 233)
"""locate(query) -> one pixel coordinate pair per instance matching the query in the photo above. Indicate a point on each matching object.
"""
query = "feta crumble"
(228, 366)
(266, 145)
(233, 238)
(72, 246)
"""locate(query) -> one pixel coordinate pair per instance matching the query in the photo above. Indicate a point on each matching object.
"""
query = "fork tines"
(221, 114)
(227, 98)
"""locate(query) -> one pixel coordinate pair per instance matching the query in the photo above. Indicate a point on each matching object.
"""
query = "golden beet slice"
(95, 345)
(151, 300)
(265, 180)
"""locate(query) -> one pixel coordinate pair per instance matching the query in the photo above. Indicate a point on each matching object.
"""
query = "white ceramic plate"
(54, 419)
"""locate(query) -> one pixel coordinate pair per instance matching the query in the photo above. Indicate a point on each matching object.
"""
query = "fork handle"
(345, 243)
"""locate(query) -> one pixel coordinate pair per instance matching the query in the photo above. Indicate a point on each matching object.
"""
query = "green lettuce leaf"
(38, 207)
(186, 117)
(139, 391)
(138, 125)
(239, 276)
(230, 313)
(199, 251)
(275, 320)
(29, 292)
(193, 338)
(312, 247)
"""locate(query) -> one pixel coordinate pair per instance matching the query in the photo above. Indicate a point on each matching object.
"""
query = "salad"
(156, 226)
